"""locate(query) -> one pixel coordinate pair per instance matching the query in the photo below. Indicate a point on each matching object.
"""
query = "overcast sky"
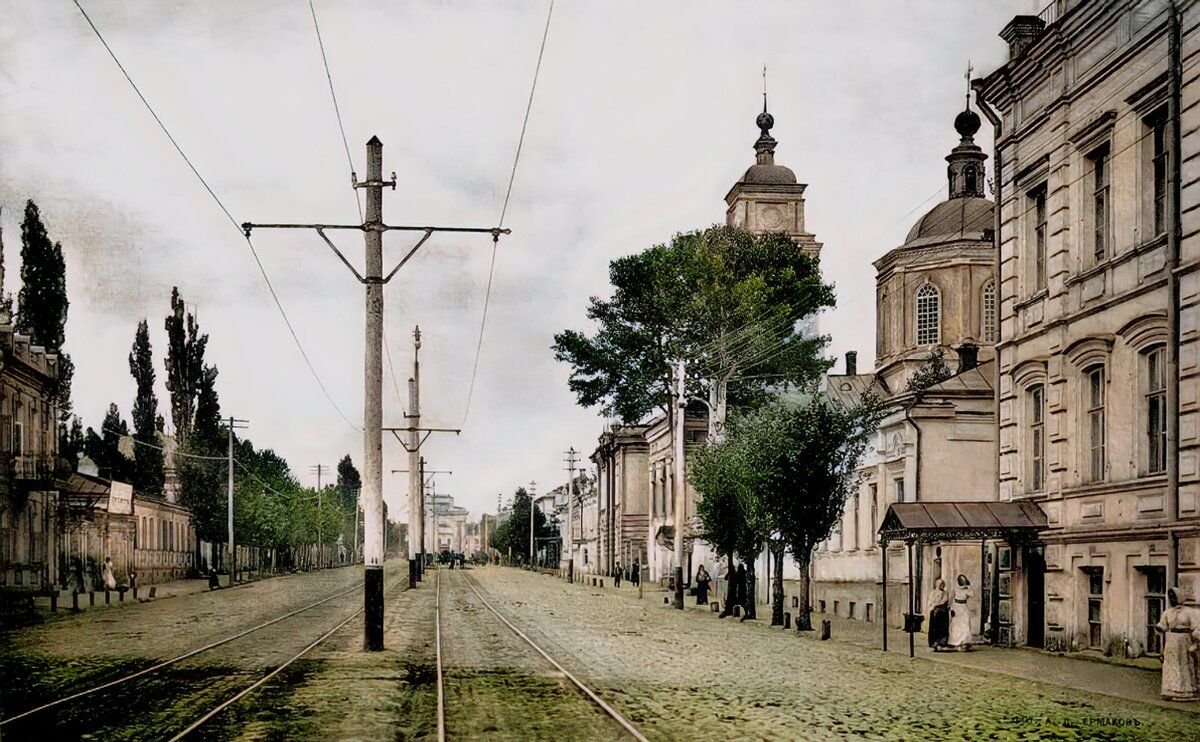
(644, 118)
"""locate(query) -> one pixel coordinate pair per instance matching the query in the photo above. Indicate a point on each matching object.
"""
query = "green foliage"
(201, 487)
(722, 473)
(104, 447)
(184, 364)
(514, 531)
(148, 457)
(933, 371)
(42, 301)
(723, 298)
(349, 482)
(71, 441)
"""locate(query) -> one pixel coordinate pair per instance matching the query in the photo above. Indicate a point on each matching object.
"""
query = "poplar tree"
(42, 302)
(104, 448)
(148, 456)
(201, 487)
(349, 481)
(184, 364)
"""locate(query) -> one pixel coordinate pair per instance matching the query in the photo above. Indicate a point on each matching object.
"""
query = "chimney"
(968, 357)
(1021, 32)
(852, 363)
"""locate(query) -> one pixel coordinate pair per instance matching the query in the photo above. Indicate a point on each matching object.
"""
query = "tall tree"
(148, 456)
(104, 448)
(513, 533)
(42, 301)
(184, 363)
(201, 472)
(728, 301)
(349, 482)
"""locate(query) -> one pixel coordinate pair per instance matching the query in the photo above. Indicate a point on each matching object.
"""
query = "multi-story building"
(935, 299)
(623, 502)
(30, 519)
(1098, 145)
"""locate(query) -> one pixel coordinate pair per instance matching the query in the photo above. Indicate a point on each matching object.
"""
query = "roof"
(948, 521)
(977, 379)
(849, 390)
(957, 217)
(769, 175)
(84, 484)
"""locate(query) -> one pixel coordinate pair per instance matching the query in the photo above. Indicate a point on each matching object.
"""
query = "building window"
(822, 608)
(989, 312)
(1038, 207)
(929, 315)
(1158, 137)
(899, 483)
(852, 606)
(18, 438)
(1095, 577)
(1037, 438)
(1095, 416)
(1101, 176)
(1156, 410)
(874, 510)
(854, 529)
(1156, 603)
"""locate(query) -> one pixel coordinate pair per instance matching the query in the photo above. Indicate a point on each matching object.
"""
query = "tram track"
(582, 688)
(276, 668)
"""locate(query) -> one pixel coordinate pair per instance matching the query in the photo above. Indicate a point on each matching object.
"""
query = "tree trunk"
(750, 611)
(730, 598)
(804, 613)
(777, 586)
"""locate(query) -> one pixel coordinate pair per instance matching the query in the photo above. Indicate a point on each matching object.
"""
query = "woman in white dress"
(110, 580)
(1179, 675)
(960, 616)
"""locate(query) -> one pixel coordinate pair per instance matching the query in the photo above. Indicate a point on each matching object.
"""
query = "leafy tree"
(727, 300)
(42, 301)
(201, 472)
(71, 442)
(148, 456)
(933, 371)
(348, 481)
(513, 533)
(184, 364)
(104, 447)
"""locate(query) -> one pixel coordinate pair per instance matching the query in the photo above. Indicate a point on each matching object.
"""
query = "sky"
(643, 119)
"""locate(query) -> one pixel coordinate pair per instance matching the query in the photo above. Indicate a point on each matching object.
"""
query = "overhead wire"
(487, 294)
(254, 252)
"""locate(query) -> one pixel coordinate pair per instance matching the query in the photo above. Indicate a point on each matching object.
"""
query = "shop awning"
(951, 521)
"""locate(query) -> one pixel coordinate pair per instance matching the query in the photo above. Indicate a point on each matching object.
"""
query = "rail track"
(213, 712)
(587, 692)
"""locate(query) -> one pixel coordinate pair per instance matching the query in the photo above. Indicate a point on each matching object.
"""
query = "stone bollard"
(120, 595)
(826, 628)
(602, 582)
(666, 600)
(91, 598)
(715, 607)
(54, 601)
(787, 620)
(74, 601)
(153, 590)
(107, 597)
(135, 597)
(737, 611)
(795, 602)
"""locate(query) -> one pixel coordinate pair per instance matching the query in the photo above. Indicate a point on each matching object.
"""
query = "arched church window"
(989, 312)
(971, 181)
(929, 315)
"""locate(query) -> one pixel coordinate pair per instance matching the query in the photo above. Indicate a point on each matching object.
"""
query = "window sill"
(1031, 300)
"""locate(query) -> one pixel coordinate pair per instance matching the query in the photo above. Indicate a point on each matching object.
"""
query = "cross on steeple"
(764, 88)
(967, 76)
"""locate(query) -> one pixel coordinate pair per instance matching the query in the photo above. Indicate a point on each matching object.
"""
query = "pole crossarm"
(427, 431)
(320, 229)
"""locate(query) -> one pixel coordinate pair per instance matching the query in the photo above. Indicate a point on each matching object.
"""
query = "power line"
(270, 287)
(487, 294)
(336, 109)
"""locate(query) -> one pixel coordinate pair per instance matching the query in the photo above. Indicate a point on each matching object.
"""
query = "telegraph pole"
(532, 495)
(318, 469)
(572, 459)
(233, 423)
(373, 228)
(416, 498)
(680, 483)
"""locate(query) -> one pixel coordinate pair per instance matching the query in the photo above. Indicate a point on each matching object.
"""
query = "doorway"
(1035, 597)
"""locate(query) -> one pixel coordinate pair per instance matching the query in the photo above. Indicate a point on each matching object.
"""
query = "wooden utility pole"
(373, 280)
(416, 498)
(318, 469)
(233, 423)
(680, 482)
(572, 459)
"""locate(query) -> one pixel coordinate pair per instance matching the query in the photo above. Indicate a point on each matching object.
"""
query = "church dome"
(769, 175)
(957, 217)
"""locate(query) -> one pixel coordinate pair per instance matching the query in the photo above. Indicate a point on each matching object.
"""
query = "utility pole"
(416, 498)
(532, 495)
(572, 459)
(680, 483)
(233, 423)
(373, 228)
(319, 469)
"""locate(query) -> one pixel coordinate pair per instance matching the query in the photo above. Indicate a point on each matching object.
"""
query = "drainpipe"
(917, 469)
(1174, 193)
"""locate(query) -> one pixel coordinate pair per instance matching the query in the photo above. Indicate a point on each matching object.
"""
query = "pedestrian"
(635, 575)
(132, 579)
(1179, 672)
(739, 587)
(77, 564)
(702, 583)
(110, 580)
(939, 615)
(960, 616)
(617, 575)
(213, 581)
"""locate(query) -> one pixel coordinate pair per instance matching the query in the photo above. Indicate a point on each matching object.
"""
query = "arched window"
(929, 315)
(1036, 428)
(971, 185)
(989, 312)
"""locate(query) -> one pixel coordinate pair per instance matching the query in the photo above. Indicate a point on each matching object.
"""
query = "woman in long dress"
(960, 616)
(939, 615)
(110, 580)
(1179, 674)
(702, 583)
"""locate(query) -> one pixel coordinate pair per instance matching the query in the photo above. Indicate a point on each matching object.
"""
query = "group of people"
(949, 616)
(631, 574)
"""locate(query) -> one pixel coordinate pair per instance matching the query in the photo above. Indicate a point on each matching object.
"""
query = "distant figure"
(617, 575)
(133, 579)
(77, 565)
(1179, 672)
(213, 581)
(939, 616)
(960, 616)
(635, 576)
(702, 583)
(739, 587)
(110, 580)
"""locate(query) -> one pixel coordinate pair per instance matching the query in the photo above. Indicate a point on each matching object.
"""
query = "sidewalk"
(96, 599)
(1138, 683)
